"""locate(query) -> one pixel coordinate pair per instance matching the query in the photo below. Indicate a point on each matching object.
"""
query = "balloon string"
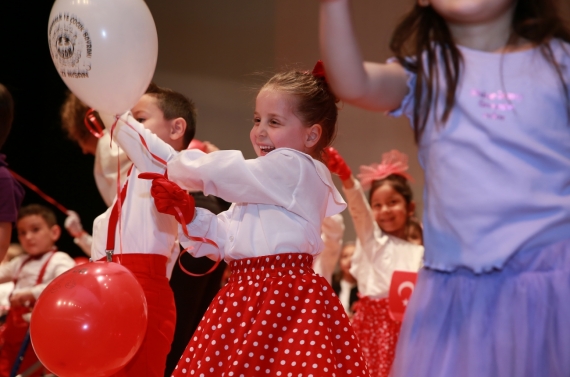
(197, 239)
(119, 199)
(37, 190)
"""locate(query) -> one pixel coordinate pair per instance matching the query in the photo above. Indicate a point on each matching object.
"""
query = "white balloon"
(104, 50)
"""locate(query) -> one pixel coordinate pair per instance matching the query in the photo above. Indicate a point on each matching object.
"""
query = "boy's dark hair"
(6, 113)
(37, 209)
(73, 117)
(398, 183)
(424, 31)
(316, 103)
(175, 105)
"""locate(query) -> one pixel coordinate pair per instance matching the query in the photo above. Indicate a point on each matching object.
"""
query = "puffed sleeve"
(127, 135)
(207, 225)
(407, 105)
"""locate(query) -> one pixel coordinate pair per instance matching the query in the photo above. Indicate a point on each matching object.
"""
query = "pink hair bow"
(393, 162)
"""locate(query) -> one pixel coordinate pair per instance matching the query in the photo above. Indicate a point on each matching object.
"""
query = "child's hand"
(210, 147)
(73, 224)
(24, 298)
(170, 199)
(336, 164)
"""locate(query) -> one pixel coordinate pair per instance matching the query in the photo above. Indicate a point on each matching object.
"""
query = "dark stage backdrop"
(37, 148)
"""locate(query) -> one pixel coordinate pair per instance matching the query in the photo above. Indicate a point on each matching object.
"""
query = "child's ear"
(177, 128)
(313, 135)
(55, 232)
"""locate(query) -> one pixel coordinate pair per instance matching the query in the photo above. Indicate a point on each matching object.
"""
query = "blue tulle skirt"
(512, 322)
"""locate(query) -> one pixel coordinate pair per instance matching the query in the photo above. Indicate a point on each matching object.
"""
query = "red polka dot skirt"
(275, 317)
(377, 333)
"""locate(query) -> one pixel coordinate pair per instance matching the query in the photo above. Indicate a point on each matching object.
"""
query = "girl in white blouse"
(275, 316)
(382, 227)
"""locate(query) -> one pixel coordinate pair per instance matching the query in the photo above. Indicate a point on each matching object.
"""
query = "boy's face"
(35, 235)
(147, 112)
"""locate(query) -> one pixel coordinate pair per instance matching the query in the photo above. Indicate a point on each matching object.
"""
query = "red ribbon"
(36, 189)
(93, 124)
(319, 70)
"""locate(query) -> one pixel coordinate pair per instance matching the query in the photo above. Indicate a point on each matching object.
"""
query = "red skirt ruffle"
(377, 333)
(275, 317)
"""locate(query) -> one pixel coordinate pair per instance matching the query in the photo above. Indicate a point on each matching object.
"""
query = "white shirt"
(280, 201)
(28, 276)
(105, 167)
(377, 255)
(144, 230)
(332, 232)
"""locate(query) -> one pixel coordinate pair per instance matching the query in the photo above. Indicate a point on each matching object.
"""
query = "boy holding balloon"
(31, 272)
(133, 233)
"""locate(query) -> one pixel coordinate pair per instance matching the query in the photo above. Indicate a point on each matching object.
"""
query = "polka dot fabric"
(275, 317)
(377, 333)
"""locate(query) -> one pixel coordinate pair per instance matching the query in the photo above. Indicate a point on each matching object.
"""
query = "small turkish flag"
(401, 288)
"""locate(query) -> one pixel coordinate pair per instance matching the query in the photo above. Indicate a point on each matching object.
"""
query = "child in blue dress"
(486, 87)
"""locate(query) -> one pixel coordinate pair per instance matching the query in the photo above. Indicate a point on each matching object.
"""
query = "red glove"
(336, 164)
(170, 199)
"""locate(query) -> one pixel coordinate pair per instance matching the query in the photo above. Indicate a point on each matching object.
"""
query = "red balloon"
(80, 260)
(89, 321)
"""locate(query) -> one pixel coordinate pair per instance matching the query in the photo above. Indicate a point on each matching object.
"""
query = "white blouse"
(28, 276)
(144, 230)
(280, 201)
(377, 255)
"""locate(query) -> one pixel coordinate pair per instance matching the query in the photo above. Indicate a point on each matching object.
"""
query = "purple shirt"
(11, 194)
(498, 172)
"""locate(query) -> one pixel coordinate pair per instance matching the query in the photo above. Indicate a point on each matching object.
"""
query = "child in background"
(275, 316)
(381, 225)
(11, 192)
(95, 141)
(486, 87)
(6, 289)
(144, 239)
(31, 273)
(344, 284)
(415, 233)
(332, 232)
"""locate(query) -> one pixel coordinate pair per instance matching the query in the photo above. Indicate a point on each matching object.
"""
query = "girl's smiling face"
(390, 210)
(275, 125)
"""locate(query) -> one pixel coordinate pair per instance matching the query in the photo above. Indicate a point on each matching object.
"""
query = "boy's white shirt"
(144, 230)
(377, 255)
(28, 276)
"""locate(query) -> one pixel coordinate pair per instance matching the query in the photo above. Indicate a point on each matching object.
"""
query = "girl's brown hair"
(399, 183)
(316, 104)
(424, 36)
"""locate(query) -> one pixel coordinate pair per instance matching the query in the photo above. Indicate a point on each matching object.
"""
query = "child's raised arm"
(127, 135)
(374, 86)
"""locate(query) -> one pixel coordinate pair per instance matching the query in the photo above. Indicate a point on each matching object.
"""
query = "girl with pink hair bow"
(382, 225)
